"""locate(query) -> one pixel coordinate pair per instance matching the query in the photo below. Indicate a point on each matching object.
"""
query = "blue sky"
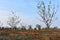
(26, 10)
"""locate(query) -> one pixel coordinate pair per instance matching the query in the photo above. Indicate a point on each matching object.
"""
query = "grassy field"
(30, 35)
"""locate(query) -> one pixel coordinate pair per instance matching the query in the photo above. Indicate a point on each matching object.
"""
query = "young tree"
(1, 24)
(30, 27)
(47, 13)
(55, 28)
(35, 28)
(38, 26)
(13, 21)
(23, 28)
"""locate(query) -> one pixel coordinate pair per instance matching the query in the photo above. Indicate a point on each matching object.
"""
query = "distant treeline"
(38, 27)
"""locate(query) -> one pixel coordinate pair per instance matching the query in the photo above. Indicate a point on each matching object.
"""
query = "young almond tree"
(30, 27)
(1, 25)
(38, 26)
(13, 21)
(47, 13)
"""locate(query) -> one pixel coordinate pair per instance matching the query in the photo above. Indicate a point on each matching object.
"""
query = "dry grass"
(30, 35)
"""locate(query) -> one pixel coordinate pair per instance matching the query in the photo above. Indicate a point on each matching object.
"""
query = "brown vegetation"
(30, 35)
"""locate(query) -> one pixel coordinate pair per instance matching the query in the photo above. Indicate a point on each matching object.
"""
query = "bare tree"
(13, 20)
(47, 13)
